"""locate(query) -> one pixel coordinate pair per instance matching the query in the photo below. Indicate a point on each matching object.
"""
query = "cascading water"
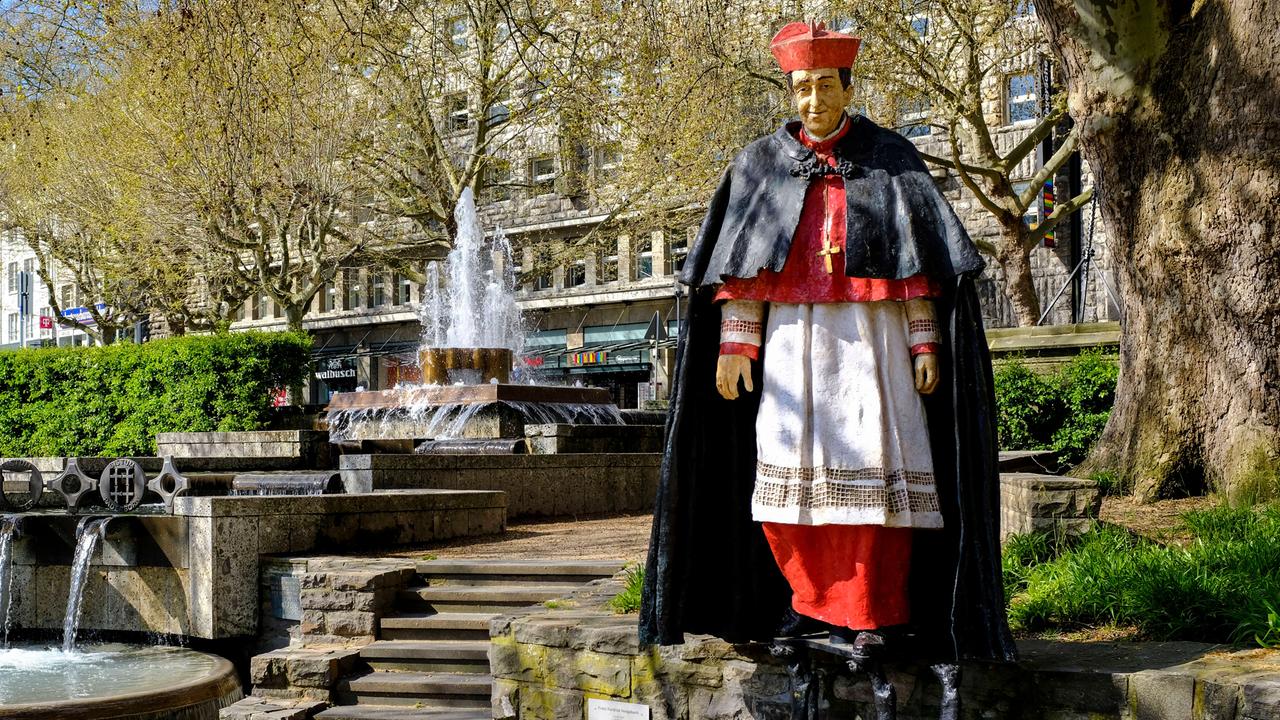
(8, 529)
(88, 533)
(477, 305)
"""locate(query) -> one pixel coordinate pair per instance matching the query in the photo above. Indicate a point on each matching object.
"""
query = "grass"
(628, 601)
(1222, 586)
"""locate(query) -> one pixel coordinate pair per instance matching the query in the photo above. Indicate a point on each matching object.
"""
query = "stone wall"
(304, 448)
(561, 438)
(319, 620)
(196, 572)
(535, 485)
(548, 663)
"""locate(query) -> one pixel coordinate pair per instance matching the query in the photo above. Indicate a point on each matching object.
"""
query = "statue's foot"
(948, 675)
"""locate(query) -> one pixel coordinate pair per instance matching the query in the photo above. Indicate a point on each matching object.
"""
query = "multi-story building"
(27, 314)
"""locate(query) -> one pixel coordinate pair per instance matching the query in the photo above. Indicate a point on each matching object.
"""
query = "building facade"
(28, 316)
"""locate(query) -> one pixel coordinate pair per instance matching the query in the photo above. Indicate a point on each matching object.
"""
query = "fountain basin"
(447, 365)
(487, 411)
(111, 681)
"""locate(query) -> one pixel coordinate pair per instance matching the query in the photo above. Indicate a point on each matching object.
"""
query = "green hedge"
(1065, 411)
(113, 400)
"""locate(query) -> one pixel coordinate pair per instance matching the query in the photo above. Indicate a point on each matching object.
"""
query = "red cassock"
(853, 576)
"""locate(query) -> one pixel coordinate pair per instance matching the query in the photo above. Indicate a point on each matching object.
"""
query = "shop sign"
(336, 369)
(535, 362)
(594, 357)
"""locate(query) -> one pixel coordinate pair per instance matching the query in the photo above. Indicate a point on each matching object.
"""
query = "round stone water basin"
(114, 681)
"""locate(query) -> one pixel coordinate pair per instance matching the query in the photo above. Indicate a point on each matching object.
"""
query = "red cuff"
(731, 348)
(918, 349)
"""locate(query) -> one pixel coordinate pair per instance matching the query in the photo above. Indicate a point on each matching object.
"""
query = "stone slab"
(535, 485)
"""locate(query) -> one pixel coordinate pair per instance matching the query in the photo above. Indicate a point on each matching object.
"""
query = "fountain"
(471, 331)
(8, 528)
(88, 533)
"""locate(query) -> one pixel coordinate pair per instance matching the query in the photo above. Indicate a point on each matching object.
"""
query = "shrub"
(1029, 407)
(113, 400)
(1221, 587)
(1086, 386)
(1065, 411)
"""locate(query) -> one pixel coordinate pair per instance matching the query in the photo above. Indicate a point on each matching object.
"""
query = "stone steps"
(418, 689)
(428, 655)
(477, 598)
(397, 712)
(437, 626)
(431, 661)
(570, 573)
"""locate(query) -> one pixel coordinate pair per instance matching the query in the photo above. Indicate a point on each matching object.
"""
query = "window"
(13, 278)
(456, 109)
(537, 92)
(607, 161)
(328, 297)
(576, 274)
(239, 313)
(500, 108)
(1021, 103)
(67, 296)
(679, 250)
(913, 118)
(1031, 217)
(542, 174)
(612, 83)
(379, 294)
(542, 266)
(354, 289)
(403, 290)
(607, 268)
(497, 180)
(458, 32)
(13, 325)
(261, 307)
(644, 259)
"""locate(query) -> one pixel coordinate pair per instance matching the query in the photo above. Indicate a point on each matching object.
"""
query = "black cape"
(710, 570)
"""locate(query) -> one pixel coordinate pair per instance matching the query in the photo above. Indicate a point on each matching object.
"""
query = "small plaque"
(613, 710)
(286, 597)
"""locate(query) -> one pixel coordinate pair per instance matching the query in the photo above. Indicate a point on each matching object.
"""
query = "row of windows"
(542, 170)
(607, 268)
(1021, 95)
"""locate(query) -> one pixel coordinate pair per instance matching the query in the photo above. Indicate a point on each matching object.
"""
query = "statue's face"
(820, 99)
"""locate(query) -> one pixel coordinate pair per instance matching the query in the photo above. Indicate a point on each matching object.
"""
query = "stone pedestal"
(1051, 504)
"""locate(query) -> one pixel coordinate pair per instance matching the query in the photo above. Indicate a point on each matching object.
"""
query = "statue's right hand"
(729, 369)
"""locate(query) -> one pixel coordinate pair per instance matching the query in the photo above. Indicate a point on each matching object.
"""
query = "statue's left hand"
(926, 365)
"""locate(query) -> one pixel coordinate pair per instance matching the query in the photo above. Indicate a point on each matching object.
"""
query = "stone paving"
(617, 537)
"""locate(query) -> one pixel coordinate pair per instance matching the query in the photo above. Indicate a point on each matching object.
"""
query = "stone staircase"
(431, 661)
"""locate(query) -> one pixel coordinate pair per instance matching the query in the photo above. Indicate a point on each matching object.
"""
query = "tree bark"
(1014, 259)
(1177, 104)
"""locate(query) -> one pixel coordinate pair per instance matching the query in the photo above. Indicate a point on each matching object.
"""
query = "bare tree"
(948, 60)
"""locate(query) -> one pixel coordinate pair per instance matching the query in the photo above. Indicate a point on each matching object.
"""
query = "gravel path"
(616, 537)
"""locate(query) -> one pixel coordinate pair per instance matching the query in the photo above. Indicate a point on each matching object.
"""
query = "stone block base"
(1034, 503)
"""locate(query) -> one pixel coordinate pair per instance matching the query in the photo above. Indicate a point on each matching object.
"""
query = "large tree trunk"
(1178, 107)
(1015, 260)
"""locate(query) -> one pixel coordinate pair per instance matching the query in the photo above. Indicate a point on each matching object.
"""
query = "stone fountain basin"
(468, 394)
(113, 681)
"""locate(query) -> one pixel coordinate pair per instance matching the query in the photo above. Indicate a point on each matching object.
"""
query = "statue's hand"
(926, 365)
(729, 369)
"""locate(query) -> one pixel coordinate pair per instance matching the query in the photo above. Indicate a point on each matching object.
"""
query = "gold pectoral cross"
(827, 251)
